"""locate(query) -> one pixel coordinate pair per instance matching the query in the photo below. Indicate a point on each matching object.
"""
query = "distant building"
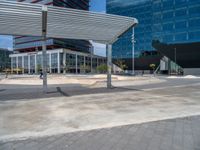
(167, 21)
(58, 61)
(4, 59)
(30, 44)
(64, 55)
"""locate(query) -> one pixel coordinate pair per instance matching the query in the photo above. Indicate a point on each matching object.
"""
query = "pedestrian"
(41, 74)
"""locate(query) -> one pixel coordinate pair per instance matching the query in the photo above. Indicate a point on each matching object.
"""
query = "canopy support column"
(109, 65)
(44, 47)
(133, 51)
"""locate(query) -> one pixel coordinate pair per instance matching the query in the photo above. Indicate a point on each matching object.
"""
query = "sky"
(99, 49)
(99, 6)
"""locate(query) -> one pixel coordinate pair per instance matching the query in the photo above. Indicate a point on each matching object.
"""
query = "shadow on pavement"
(53, 92)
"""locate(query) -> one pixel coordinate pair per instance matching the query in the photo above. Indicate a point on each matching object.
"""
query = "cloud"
(99, 49)
(6, 42)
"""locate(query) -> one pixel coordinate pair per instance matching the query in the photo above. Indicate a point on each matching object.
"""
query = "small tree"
(121, 64)
(67, 66)
(102, 68)
(153, 67)
(87, 68)
(39, 67)
(82, 69)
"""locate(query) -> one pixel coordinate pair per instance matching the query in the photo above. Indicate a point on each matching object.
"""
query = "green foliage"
(121, 64)
(102, 68)
(152, 66)
(39, 67)
(67, 66)
(85, 68)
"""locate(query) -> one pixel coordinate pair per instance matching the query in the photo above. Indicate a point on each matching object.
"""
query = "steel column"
(36, 68)
(44, 48)
(76, 64)
(84, 65)
(22, 64)
(133, 52)
(49, 62)
(109, 65)
(29, 65)
(12, 65)
(17, 64)
(64, 62)
(58, 66)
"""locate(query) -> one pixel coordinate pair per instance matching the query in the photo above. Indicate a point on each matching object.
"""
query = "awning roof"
(17, 18)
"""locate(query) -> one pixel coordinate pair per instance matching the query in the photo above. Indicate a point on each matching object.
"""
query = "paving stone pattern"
(174, 134)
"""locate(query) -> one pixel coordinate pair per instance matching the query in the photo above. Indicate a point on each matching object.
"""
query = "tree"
(39, 67)
(121, 64)
(67, 66)
(153, 67)
(102, 68)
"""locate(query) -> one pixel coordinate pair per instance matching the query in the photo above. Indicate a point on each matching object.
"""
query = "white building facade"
(58, 61)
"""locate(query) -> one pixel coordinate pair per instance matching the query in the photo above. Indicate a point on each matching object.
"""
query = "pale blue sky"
(96, 5)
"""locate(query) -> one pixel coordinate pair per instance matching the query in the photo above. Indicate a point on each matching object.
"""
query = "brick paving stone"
(173, 134)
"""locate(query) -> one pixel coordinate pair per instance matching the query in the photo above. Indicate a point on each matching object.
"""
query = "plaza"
(136, 109)
(84, 110)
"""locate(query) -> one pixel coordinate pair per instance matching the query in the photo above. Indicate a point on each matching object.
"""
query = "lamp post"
(175, 54)
(133, 51)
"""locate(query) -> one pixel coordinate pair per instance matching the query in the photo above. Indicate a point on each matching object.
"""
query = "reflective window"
(20, 62)
(54, 60)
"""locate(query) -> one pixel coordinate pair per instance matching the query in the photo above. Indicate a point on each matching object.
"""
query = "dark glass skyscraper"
(25, 44)
(4, 59)
(169, 21)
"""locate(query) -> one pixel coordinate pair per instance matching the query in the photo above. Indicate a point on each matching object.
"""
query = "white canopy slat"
(17, 18)
(20, 19)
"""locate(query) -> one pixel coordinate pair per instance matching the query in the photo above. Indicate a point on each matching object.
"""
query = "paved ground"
(174, 134)
(120, 118)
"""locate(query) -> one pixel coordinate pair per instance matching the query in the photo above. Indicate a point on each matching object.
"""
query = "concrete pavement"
(174, 134)
(120, 118)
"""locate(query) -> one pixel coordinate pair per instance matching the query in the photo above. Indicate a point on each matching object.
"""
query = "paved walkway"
(108, 112)
(175, 134)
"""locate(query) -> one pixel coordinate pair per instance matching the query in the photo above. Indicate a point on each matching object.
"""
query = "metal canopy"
(79, 24)
(20, 19)
(17, 18)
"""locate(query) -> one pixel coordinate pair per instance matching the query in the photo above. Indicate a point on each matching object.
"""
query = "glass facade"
(169, 21)
(4, 59)
(58, 62)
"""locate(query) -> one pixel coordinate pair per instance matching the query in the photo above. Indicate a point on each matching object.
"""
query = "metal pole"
(84, 65)
(29, 65)
(109, 65)
(22, 64)
(175, 59)
(44, 52)
(49, 62)
(76, 64)
(64, 62)
(175, 54)
(17, 64)
(91, 59)
(58, 66)
(133, 51)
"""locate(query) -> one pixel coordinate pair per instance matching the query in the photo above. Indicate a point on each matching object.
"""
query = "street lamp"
(133, 51)
(175, 54)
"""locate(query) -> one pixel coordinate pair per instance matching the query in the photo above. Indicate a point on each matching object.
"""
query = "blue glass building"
(169, 21)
